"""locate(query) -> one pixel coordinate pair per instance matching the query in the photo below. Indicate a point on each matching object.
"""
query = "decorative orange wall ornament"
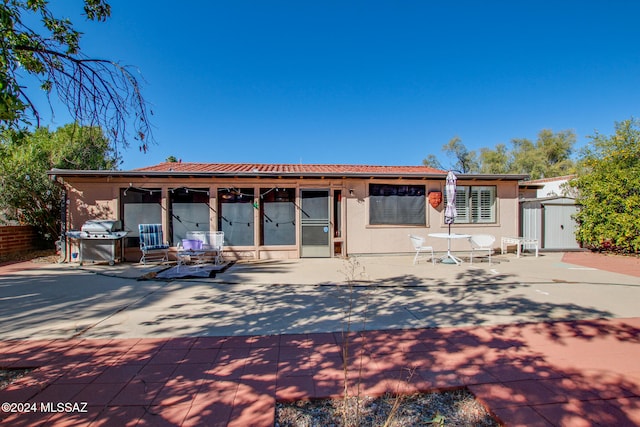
(435, 198)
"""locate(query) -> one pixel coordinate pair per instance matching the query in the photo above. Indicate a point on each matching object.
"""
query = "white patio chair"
(215, 243)
(418, 245)
(480, 243)
(212, 244)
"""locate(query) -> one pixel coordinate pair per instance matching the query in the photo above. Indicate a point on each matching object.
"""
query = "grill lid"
(102, 226)
(83, 235)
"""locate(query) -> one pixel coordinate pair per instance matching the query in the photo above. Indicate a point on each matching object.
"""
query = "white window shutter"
(462, 204)
(483, 202)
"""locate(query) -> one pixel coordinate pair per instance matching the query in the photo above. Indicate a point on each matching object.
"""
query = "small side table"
(519, 242)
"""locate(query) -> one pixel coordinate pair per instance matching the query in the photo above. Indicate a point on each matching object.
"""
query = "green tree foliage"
(548, 156)
(526, 158)
(464, 161)
(96, 92)
(495, 161)
(608, 184)
(26, 192)
(432, 161)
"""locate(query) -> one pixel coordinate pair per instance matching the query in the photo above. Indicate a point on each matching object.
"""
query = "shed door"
(315, 224)
(531, 222)
(559, 227)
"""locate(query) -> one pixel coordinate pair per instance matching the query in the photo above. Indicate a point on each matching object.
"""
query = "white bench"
(519, 242)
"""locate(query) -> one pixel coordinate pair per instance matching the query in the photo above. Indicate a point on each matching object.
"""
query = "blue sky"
(375, 82)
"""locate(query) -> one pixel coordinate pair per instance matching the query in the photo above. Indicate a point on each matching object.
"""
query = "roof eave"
(494, 177)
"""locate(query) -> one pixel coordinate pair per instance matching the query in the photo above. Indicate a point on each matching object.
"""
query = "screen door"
(315, 224)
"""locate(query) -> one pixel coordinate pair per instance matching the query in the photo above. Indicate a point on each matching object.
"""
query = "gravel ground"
(7, 376)
(43, 256)
(451, 408)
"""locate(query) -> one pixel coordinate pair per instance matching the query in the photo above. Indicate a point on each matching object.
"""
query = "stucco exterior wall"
(371, 239)
(91, 200)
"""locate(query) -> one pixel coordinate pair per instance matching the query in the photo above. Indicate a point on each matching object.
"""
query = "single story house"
(276, 211)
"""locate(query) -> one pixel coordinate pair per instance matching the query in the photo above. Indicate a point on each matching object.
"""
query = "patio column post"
(166, 220)
(213, 208)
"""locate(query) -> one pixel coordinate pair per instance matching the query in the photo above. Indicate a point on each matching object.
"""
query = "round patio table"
(448, 236)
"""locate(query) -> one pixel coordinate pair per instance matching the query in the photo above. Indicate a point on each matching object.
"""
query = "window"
(189, 211)
(475, 204)
(139, 206)
(278, 216)
(235, 207)
(397, 204)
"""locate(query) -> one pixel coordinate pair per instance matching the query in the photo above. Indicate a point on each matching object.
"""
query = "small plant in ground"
(438, 420)
(350, 407)
(397, 402)
(352, 271)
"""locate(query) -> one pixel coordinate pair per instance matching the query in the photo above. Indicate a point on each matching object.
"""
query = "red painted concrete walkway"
(629, 265)
(579, 373)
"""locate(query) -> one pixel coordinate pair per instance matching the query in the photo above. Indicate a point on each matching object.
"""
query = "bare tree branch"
(96, 92)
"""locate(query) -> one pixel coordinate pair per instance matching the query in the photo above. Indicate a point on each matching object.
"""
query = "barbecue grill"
(100, 240)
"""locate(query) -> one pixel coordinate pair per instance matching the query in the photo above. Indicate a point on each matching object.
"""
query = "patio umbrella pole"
(450, 211)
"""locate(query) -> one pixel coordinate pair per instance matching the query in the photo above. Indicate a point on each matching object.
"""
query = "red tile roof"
(303, 169)
(192, 169)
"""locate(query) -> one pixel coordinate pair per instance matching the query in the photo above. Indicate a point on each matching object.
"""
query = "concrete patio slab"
(305, 296)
